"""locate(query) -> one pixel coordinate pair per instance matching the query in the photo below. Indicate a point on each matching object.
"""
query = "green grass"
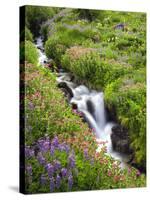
(28, 52)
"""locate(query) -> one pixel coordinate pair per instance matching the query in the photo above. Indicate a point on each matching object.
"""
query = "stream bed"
(90, 103)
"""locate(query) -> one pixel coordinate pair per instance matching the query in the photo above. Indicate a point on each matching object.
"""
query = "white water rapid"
(42, 56)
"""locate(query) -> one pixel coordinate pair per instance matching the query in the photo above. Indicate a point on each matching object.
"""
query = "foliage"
(36, 15)
(43, 99)
(89, 14)
(91, 46)
(129, 95)
(28, 52)
(26, 35)
(72, 151)
(55, 167)
(87, 64)
(64, 38)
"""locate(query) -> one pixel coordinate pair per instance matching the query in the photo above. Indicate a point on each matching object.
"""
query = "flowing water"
(91, 104)
(42, 56)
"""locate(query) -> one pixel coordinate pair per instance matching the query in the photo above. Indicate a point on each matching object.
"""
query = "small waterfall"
(91, 105)
(98, 101)
(42, 56)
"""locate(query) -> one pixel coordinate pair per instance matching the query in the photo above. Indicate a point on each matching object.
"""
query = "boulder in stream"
(120, 139)
(90, 106)
(66, 89)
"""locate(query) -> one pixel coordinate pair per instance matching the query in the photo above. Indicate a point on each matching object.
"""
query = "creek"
(90, 103)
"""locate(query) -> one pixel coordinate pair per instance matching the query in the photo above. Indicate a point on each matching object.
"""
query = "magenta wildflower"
(138, 173)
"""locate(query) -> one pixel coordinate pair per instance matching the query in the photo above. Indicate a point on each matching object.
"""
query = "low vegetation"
(60, 150)
(106, 51)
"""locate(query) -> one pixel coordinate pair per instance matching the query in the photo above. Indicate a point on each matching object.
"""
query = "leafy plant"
(31, 53)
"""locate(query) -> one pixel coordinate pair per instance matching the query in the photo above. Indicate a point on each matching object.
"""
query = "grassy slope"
(47, 113)
(117, 65)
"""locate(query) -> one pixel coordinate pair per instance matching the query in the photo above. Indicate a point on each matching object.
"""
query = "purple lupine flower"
(31, 106)
(58, 181)
(57, 165)
(66, 148)
(86, 156)
(43, 179)
(52, 184)
(52, 150)
(29, 152)
(61, 147)
(41, 159)
(50, 169)
(64, 172)
(55, 142)
(71, 159)
(40, 144)
(29, 170)
(44, 145)
(70, 182)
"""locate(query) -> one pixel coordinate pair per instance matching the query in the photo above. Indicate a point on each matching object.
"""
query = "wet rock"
(51, 65)
(74, 106)
(66, 89)
(90, 106)
(111, 115)
(120, 140)
(41, 48)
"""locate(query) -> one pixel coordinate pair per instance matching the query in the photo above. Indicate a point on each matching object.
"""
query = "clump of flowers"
(56, 162)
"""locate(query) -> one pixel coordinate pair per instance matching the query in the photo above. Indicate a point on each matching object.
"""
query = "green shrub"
(55, 49)
(129, 97)
(26, 35)
(65, 37)
(28, 52)
(44, 32)
(36, 15)
(87, 64)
